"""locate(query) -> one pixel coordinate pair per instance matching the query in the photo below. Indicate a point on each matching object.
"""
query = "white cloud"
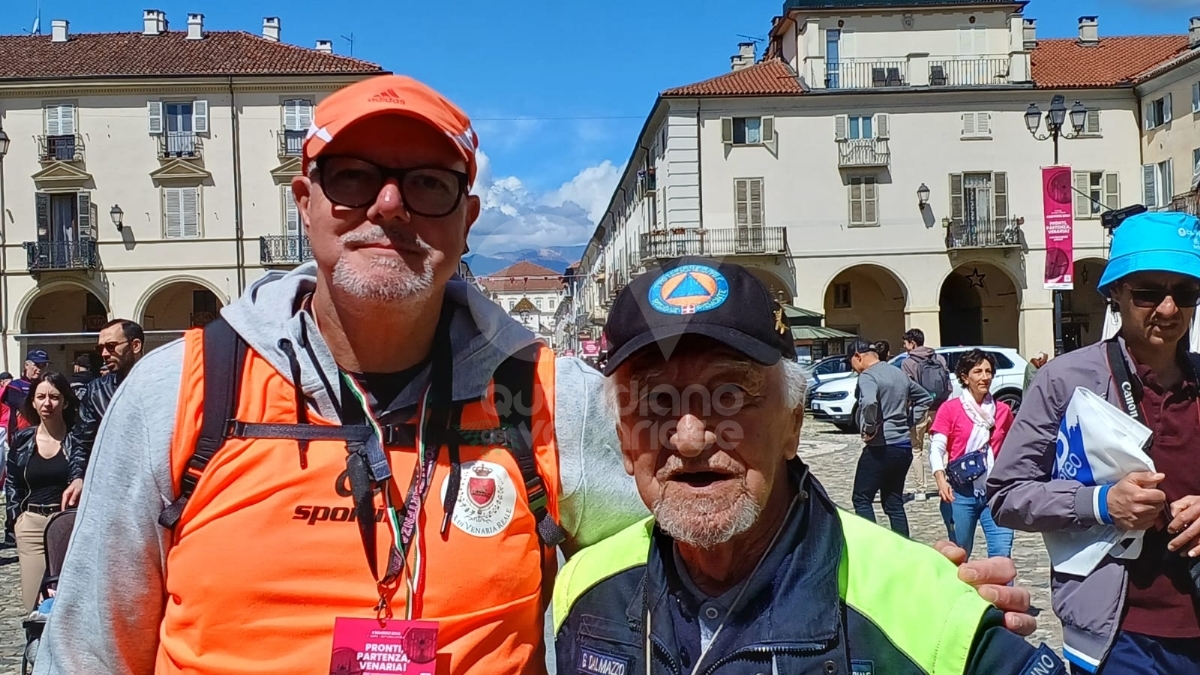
(592, 189)
(514, 218)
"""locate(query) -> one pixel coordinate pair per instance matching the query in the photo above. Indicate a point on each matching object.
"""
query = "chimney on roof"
(1194, 33)
(195, 26)
(1030, 33)
(271, 28)
(154, 22)
(325, 46)
(58, 30)
(745, 56)
(1089, 30)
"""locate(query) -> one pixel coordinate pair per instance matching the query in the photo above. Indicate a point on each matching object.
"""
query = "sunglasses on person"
(1147, 297)
(428, 191)
(110, 346)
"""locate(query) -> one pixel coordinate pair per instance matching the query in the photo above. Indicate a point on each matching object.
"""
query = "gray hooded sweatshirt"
(112, 592)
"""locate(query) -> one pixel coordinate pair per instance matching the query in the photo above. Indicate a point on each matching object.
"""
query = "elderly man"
(1127, 616)
(747, 566)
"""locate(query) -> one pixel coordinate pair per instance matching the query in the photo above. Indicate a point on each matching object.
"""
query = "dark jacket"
(79, 384)
(820, 603)
(22, 447)
(92, 407)
(889, 404)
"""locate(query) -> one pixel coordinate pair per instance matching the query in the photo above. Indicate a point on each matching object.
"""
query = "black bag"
(963, 472)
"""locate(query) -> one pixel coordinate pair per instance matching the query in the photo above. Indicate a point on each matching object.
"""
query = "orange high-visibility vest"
(266, 554)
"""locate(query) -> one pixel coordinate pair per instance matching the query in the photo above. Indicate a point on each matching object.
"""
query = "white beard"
(387, 279)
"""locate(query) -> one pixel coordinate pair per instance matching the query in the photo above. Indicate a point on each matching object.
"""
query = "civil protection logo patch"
(689, 289)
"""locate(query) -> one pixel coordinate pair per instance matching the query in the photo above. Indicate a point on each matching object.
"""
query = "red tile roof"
(772, 77)
(1119, 60)
(523, 277)
(168, 54)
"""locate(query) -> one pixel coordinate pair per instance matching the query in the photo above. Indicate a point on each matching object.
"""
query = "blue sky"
(558, 88)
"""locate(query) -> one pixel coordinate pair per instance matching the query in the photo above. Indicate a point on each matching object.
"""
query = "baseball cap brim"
(1177, 262)
(750, 347)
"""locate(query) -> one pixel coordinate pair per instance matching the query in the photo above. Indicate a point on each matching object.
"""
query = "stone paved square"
(831, 454)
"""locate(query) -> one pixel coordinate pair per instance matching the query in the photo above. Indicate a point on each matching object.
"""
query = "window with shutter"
(841, 127)
(956, 197)
(1149, 186)
(84, 214)
(883, 126)
(1166, 108)
(726, 129)
(968, 124)
(53, 127)
(291, 214)
(756, 203)
(1083, 185)
(154, 116)
(1166, 181)
(1112, 191)
(43, 216)
(1000, 190)
(189, 206)
(1196, 97)
(172, 213)
(66, 119)
(200, 116)
(1091, 124)
(741, 202)
(864, 206)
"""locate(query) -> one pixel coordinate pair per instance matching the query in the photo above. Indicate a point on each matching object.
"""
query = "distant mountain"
(555, 257)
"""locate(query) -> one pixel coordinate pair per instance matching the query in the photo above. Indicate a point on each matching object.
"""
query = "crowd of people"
(244, 472)
(48, 424)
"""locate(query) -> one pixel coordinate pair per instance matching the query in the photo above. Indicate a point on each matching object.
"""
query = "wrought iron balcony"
(1189, 203)
(863, 152)
(180, 144)
(968, 72)
(976, 233)
(291, 142)
(866, 74)
(50, 256)
(61, 148)
(714, 242)
(280, 249)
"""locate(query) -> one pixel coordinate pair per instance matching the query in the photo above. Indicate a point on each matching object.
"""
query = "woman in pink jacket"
(964, 439)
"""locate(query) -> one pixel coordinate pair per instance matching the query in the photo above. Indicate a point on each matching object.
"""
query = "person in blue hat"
(1139, 615)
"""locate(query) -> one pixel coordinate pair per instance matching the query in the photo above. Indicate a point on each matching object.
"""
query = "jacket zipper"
(669, 659)
(745, 653)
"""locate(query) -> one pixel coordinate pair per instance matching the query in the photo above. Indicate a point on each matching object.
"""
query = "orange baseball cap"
(391, 94)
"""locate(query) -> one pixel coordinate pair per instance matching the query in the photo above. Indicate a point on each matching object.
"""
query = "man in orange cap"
(366, 463)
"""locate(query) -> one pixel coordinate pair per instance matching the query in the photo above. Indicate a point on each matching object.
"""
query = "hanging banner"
(1057, 214)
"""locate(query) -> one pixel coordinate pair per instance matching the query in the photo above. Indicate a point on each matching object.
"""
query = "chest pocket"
(606, 647)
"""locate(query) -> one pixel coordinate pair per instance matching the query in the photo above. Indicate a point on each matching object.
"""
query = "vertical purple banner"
(1057, 203)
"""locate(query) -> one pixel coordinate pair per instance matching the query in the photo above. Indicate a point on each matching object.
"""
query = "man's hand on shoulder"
(991, 577)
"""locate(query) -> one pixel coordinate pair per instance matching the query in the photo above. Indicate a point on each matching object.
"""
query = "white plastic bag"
(1098, 444)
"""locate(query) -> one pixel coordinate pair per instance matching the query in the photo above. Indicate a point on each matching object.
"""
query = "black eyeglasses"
(1184, 295)
(428, 191)
(110, 346)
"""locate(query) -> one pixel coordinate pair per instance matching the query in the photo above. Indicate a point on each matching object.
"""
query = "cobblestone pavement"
(831, 454)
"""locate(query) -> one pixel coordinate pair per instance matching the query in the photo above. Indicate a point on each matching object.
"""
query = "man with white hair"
(747, 566)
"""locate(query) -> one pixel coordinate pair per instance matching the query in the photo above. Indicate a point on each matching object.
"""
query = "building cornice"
(116, 86)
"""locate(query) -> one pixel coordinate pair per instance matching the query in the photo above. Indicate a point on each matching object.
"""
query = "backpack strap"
(516, 376)
(224, 358)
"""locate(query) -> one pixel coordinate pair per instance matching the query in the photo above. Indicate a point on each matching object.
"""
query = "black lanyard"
(1125, 383)
(354, 413)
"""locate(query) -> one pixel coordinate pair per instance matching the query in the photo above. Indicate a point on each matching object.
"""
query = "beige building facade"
(876, 165)
(1170, 95)
(147, 174)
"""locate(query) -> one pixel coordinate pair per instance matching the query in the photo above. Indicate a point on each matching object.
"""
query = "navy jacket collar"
(793, 598)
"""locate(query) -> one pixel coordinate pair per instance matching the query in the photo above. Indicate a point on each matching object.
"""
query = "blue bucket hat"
(1164, 241)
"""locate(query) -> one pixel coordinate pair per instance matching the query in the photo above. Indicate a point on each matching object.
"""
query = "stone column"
(928, 319)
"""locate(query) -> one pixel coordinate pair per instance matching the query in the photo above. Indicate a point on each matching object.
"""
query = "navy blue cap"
(698, 296)
(37, 356)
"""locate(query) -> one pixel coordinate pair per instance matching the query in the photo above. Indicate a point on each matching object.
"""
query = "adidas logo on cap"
(387, 96)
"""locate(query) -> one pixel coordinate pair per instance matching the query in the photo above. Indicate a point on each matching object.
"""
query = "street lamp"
(1056, 118)
(118, 217)
(922, 196)
(3, 143)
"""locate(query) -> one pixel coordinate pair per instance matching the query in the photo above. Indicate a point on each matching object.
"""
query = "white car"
(835, 401)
